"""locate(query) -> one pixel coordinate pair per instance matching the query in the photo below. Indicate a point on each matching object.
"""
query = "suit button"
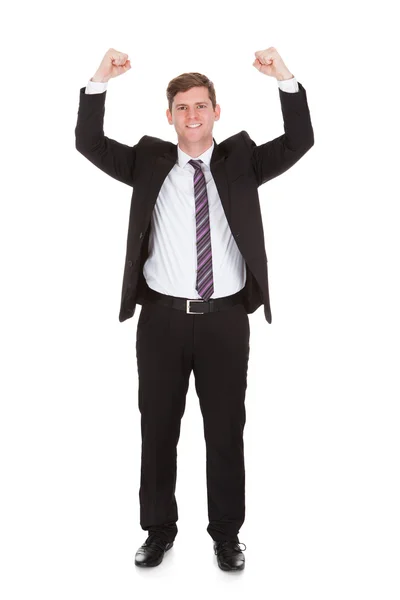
(237, 235)
(130, 263)
(141, 235)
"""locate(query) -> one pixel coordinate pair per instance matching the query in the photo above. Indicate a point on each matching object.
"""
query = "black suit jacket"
(238, 167)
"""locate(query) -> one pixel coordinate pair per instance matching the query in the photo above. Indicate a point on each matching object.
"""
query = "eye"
(185, 106)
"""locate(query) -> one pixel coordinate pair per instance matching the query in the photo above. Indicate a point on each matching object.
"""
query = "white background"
(322, 430)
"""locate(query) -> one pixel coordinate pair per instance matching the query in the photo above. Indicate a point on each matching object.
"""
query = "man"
(196, 262)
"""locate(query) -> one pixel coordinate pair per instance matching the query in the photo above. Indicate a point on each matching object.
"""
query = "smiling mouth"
(198, 127)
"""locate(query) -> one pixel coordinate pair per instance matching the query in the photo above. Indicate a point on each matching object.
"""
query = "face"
(190, 107)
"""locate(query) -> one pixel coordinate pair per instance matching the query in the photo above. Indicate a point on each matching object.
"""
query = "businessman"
(196, 263)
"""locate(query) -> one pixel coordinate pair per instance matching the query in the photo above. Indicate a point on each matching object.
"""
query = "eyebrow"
(200, 102)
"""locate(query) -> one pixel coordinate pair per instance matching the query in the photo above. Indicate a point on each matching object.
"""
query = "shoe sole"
(155, 564)
(231, 568)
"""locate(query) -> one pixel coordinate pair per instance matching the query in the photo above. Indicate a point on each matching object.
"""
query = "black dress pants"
(170, 344)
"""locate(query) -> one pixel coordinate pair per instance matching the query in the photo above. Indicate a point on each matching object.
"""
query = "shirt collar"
(184, 158)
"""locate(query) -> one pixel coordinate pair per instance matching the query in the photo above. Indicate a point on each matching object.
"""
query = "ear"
(169, 116)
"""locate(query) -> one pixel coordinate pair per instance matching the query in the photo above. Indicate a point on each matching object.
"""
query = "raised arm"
(277, 156)
(112, 157)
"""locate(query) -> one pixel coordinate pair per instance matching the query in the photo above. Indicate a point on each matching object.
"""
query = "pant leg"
(221, 353)
(164, 367)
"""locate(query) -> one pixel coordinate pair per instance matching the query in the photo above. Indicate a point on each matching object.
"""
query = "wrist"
(99, 78)
(284, 76)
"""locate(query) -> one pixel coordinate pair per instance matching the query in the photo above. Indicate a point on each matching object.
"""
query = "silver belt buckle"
(188, 311)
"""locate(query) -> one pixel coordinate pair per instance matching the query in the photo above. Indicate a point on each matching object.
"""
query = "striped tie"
(204, 280)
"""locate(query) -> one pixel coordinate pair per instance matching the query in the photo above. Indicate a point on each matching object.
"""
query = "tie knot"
(195, 163)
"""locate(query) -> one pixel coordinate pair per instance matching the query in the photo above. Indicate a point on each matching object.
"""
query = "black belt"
(195, 306)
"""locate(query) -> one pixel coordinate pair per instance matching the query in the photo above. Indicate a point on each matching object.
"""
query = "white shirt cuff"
(96, 87)
(289, 85)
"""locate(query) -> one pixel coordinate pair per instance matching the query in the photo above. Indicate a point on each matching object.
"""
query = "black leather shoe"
(152, 552)
(229, 555)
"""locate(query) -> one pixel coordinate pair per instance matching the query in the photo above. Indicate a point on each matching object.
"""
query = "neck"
(195, 150)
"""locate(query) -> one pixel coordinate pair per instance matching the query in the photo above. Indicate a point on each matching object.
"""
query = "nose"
(192, 113)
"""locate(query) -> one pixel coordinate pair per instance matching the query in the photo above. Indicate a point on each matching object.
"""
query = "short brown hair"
(185, 82)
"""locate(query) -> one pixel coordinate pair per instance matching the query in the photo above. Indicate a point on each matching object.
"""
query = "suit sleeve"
(116, 159)
(277, 156)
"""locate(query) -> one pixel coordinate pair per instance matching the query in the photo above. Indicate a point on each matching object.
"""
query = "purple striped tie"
(204, 280)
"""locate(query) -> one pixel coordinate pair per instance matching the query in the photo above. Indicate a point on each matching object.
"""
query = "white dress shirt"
(172, 262)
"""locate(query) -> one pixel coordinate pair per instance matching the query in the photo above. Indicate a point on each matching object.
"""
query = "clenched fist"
(113, 64)
(270, 63)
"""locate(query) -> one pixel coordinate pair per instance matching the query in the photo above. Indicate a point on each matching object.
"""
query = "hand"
(113, 64)
(270, 63)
